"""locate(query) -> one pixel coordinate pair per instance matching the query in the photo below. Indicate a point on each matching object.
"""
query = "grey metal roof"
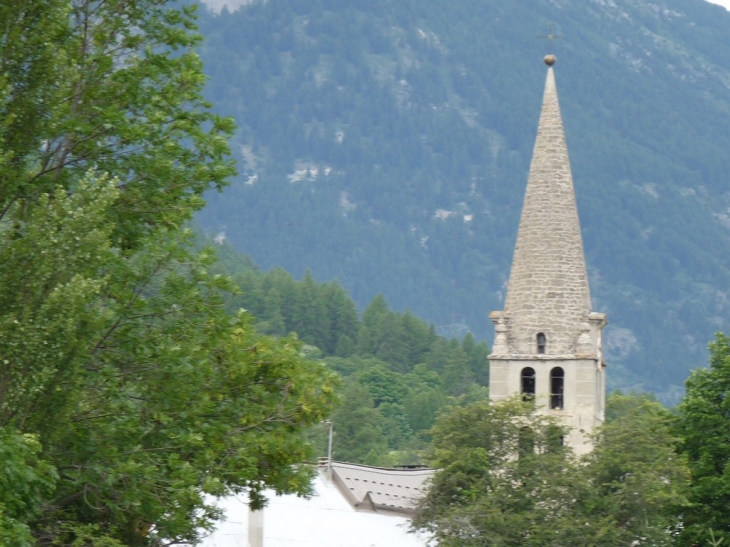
(381, 490)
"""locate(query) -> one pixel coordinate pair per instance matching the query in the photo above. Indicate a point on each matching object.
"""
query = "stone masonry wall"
(548, 287)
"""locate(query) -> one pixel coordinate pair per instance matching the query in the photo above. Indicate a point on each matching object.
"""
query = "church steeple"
(548, 343)
(548, 286)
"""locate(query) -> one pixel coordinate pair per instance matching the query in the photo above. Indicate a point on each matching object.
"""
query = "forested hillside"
(386, 144)
(398, 374)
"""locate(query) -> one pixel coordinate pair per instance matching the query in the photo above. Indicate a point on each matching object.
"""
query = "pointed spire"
(548, 286)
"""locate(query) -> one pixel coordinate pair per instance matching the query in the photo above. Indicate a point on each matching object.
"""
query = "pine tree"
(478, 361)
(343, 320)
(309, 313)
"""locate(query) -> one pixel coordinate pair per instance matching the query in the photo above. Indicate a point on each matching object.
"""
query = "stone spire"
(548, 286)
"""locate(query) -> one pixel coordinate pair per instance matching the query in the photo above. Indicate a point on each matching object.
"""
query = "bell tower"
(547, 339)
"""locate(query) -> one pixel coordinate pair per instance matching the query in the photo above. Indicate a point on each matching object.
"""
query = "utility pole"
(329, 449)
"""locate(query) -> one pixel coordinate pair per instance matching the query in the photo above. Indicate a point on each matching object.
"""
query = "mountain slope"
(387, 145)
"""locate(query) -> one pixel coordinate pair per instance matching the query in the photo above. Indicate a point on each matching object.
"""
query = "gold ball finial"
(550, 60)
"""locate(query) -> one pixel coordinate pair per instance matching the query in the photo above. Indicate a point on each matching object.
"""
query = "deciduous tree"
(119, 367)
(505, 479)
(704, 426)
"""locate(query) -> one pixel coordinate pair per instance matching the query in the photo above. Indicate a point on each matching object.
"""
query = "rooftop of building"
(381, 490)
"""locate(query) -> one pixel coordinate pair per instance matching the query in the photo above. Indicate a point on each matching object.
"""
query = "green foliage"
(181, 400)
(504, 478)
(145, 393)
(52, 254)
(408, 372)
(25, 481)
(129, 397)
(477, 355)
(423, 407)
(360, 434)
(704, 427)
(117, 87)
(639, 480)
(497, 483)
(385, 386)
(620, 404)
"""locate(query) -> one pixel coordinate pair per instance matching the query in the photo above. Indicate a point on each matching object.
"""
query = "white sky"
(725, 3)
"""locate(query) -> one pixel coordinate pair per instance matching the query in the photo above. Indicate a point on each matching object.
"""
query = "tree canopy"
(704, 427)
(504, 478)
(398, 373)
(129, 395)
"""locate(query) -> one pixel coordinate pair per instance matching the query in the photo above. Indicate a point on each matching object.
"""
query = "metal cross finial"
(550, 37)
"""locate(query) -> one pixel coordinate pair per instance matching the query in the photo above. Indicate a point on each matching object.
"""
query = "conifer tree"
(343, 321)
(358, 427)
(478, 362)
(309, 313)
